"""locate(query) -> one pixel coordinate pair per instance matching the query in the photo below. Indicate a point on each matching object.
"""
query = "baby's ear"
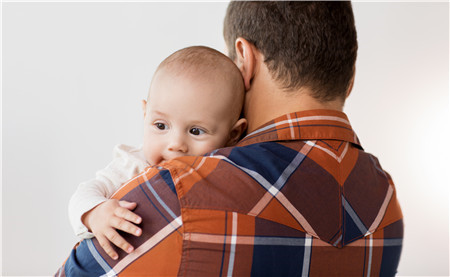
(144, 106)
(236, 132)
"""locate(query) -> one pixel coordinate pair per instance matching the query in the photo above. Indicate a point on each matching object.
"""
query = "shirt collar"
(305, 125)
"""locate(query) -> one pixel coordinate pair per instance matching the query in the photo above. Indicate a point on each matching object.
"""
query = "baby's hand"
(104, 219)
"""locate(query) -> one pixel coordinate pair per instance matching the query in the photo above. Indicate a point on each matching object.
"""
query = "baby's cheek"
(150, 154)
(208, 147)
(148, 157)
(154, 154)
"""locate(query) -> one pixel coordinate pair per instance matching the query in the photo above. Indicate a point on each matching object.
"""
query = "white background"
(74, 75)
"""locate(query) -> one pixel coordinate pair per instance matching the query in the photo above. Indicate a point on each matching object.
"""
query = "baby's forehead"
(194, 83)
(215, 72)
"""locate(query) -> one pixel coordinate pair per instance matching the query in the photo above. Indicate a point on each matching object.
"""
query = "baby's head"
(193, 105)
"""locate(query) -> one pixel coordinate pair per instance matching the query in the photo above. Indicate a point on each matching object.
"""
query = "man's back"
(298, 196)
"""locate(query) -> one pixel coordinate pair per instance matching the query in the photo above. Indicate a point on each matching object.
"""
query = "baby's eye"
(196, 131)
(160, 126)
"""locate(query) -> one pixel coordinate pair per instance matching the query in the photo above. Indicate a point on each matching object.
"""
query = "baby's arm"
(90, 204)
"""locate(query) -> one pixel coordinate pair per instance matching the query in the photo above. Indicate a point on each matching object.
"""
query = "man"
(297, 196)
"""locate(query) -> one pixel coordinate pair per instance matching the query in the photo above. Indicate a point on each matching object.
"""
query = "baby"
(193, 107)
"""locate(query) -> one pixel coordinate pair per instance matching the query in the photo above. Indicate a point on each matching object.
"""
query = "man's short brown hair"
(305, 44)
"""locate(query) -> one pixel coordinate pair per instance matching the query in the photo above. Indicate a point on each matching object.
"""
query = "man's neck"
(265, 102)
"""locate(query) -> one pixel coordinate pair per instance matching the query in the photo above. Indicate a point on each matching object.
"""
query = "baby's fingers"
(120, 242)
(128, 205)
(104, 243)
(123, 225)
(127, 215)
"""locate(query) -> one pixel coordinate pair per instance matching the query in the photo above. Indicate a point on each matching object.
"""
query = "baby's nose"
(177, 144)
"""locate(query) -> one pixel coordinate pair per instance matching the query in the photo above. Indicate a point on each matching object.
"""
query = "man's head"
(193, 106)
(304, 44)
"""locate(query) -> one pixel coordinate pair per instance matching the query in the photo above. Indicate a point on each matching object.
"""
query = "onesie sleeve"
(127, 162)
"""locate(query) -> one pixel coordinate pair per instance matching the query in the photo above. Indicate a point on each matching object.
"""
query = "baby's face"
(186, 116)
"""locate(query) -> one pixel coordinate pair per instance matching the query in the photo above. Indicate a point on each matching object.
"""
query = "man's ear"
(236, 132)
(245, 60)
(144, 106)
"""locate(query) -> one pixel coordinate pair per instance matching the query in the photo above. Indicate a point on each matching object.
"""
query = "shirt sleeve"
(127, 162)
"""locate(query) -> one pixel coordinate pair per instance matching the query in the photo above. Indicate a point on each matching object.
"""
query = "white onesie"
(127, 162)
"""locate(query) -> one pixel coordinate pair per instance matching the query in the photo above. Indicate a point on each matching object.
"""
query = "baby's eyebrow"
(156, 112)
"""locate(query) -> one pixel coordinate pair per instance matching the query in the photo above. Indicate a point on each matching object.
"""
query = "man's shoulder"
(253, 157)
(234, 178)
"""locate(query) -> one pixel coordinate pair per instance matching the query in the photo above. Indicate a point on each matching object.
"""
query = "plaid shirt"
(299, 196)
